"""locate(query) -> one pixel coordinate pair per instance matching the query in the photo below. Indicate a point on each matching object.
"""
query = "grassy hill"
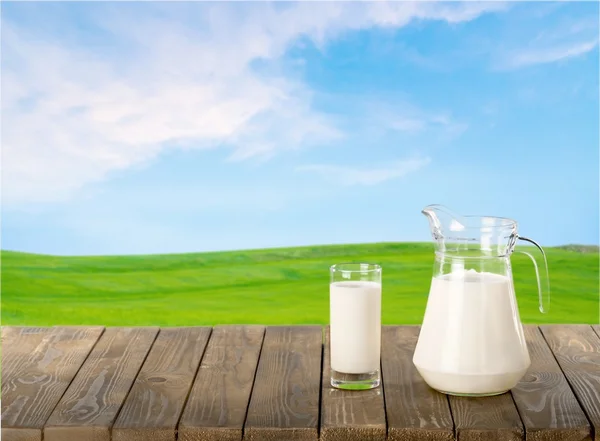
(276, 286)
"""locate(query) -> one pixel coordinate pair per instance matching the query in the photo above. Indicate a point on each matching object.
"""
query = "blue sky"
(150, 127)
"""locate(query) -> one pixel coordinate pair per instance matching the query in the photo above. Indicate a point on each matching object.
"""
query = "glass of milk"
(355, 325)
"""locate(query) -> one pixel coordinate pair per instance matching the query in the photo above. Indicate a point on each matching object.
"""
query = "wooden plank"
(414, 410)
(18, 342)
(14, 434)
(486, 418)
(216, 408)
(577, 350)
(90, 405)
(349, 415)
(285, 397)
(155, 402)
(32, 390)
(546, 404)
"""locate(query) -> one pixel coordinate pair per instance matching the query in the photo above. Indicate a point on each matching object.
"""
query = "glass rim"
(355, 267)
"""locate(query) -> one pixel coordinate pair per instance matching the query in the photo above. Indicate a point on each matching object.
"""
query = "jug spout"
(442, 219)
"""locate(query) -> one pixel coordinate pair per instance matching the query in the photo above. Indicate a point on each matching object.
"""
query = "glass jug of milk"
(471, 340)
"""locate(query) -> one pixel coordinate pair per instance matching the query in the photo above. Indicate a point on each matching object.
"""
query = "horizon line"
(591, 247)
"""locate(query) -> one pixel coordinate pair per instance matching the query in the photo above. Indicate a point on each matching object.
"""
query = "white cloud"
(410, 119)
(529, 57)
(179, 76)
(569, 40)
(348, 176)
(431, 121)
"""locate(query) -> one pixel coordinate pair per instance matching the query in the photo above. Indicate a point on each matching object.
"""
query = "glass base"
(369, 380)
(487, 394)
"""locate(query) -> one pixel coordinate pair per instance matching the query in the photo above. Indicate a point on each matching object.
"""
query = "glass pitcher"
(471, 340)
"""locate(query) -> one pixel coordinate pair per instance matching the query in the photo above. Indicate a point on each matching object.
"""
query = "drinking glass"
(355, 325)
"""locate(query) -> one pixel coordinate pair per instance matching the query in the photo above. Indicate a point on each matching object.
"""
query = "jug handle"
(543, 289)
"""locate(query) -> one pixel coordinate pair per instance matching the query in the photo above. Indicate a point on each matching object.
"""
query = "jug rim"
(503, 221)
(465, 222)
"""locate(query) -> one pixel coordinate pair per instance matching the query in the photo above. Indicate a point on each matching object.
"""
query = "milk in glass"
(355, 326)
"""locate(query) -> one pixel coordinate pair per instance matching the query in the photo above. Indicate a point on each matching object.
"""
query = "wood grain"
(577, 350)
(34, 387)
(285, 398)
(155, 402)
(216, 408)
(18, 342)
(90, 405)
(40, 364)
(349, 415)
(546, 403)
(414, 410)
(486, 418)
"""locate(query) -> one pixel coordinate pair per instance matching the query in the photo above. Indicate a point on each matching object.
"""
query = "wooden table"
(229, 382)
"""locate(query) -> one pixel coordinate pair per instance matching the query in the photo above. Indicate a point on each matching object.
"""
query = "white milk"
(355, 326)
(471, 340)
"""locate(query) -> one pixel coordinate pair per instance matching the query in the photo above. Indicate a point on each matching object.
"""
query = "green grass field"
(277, 286)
